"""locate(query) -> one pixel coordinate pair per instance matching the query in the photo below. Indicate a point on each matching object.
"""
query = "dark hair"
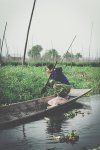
(50, 66)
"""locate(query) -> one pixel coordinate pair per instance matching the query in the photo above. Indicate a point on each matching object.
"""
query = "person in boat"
(57, 74)
(58, 81)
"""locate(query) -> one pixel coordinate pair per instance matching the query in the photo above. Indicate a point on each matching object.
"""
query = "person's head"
(50, 68)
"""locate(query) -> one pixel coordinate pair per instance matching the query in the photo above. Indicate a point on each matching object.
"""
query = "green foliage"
(84, 77)
(75, 112)
(61, 89)
(17, 84)
(13, 63)
(44, 62)
(34, 52)
(78, 55)
(51, 55)
(70, 114)
(71, 55)
(69, 137)
(94, 148)
(83, 64)
(68, 55)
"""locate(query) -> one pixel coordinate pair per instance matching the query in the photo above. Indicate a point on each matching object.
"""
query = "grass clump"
(20, 84)
(17, 84)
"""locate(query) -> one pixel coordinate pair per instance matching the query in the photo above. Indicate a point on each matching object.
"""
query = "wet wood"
(33, 109)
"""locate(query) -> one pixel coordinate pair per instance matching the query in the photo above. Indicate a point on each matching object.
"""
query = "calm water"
(37, 135)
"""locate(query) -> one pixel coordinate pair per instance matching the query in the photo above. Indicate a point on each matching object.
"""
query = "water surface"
(37, 134)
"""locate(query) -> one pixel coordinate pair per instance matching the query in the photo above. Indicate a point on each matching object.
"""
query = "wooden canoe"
(22, 112)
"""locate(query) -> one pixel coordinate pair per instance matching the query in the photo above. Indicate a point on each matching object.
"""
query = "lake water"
(37, 135)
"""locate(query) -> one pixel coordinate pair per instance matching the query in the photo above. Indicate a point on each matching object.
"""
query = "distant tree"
(34, 52)
(51, 55)
(78, 55)
(68, 56)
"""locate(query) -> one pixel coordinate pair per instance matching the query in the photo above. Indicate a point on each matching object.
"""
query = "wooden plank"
(78, 92)
(75, 94)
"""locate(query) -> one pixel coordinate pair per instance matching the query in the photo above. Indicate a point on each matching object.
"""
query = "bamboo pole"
(3, 38)
(0, 51)
(28, 32)
(0, 45)
(69, 47)
(90, 39)
(7, 48)
(71, 56)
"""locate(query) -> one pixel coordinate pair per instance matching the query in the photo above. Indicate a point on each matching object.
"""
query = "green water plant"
(95, 148)
(68, 137)
(72, 114)
(75, 112)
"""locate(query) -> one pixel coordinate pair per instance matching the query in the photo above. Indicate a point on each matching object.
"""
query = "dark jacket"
(58, 75)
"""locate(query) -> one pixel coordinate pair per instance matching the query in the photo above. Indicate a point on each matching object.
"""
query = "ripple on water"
(37, 135)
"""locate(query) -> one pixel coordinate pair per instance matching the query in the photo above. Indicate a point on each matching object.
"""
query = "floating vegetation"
(73, 113)
(68, 137)
(95, 148)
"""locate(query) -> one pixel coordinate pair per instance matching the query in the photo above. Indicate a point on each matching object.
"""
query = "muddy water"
(38, 135)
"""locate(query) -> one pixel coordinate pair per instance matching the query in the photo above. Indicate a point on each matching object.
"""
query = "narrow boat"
(23, 112)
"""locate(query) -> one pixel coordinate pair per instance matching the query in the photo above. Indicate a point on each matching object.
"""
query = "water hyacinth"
(95, 148)
(68, 137)
(75, 112)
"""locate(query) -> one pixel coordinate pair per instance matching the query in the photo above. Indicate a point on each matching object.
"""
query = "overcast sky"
(54, 24)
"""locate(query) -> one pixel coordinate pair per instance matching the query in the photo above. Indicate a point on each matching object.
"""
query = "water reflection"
(54, 122)
(54, 148)
(23, 130)
(35, 135)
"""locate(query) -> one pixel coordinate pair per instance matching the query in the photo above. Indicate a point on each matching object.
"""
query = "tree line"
(50, 55)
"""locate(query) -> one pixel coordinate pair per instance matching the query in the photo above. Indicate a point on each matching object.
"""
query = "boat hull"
(23, 112)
